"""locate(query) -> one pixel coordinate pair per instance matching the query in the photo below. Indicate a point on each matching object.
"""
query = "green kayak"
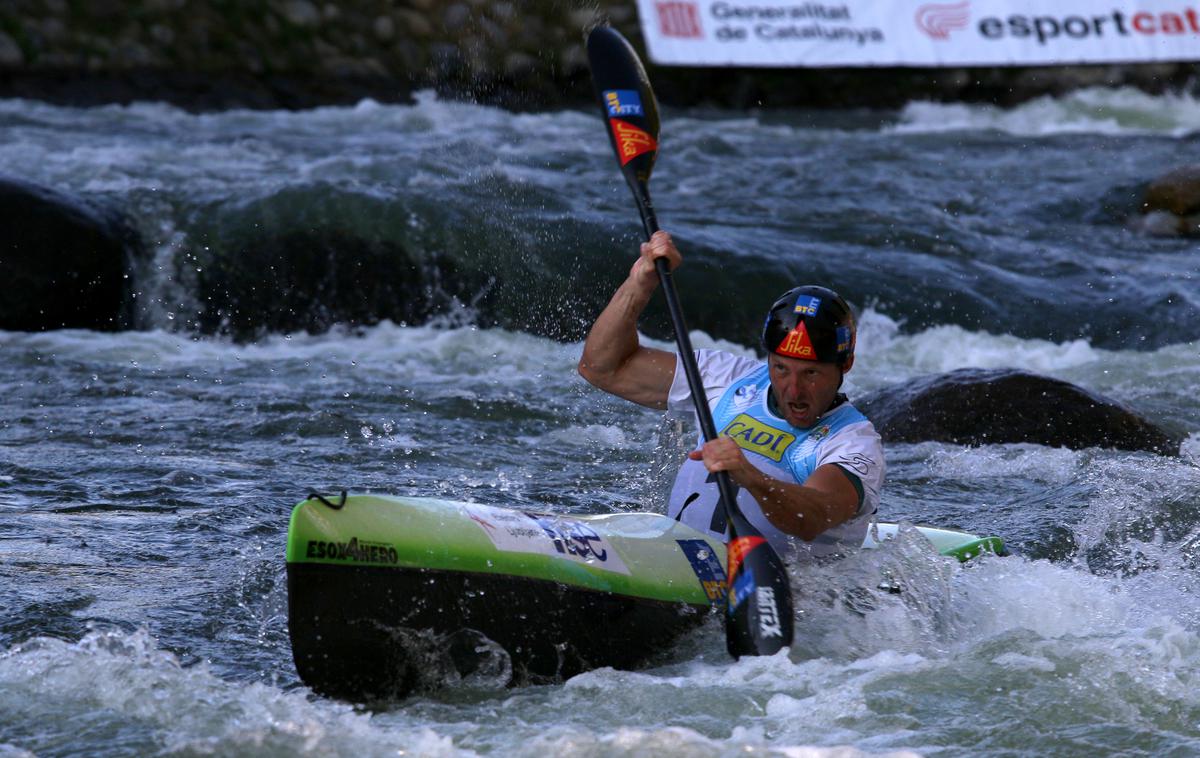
(378, 585)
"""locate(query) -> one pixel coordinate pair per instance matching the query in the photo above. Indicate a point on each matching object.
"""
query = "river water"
(146, 476)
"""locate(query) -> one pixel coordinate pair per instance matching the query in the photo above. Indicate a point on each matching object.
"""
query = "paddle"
(758, 618)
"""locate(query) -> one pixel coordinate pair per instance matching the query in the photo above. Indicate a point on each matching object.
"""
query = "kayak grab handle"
(335, 506)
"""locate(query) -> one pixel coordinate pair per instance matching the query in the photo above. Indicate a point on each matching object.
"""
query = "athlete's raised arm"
(613, 359)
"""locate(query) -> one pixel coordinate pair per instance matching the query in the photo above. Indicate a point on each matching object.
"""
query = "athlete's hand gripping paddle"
(758, 619)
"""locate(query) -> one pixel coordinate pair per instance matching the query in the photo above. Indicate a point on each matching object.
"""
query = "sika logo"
(939, 20)
(797, 344)
(679, 19)
(631, 141)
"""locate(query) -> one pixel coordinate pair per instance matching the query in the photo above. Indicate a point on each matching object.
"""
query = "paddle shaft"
(687, 356)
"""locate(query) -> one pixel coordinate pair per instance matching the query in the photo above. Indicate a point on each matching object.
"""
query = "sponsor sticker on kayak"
(356, 550)
(707, 567)
(543, 534)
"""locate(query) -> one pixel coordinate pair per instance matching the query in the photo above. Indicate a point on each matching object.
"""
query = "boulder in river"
(1171, 206)
(308, 280)
(991, 406)
(65, 261)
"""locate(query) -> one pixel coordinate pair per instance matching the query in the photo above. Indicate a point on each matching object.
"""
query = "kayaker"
(808, 465)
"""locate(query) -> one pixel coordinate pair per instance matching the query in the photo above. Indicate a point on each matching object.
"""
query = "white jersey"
(738, 390)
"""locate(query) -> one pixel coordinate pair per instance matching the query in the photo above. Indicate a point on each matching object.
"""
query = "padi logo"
(354, 550)
(623, 102)
(807, 305)
(753, 435)
(768, 613)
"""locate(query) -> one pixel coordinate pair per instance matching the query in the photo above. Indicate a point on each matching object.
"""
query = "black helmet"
(810, 323)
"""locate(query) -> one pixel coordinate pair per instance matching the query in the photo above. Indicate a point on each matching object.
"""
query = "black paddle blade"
(759, 599)
(628, 104)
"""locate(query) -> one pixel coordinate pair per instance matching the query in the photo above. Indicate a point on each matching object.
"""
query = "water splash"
(1123, 111)
(122, 690)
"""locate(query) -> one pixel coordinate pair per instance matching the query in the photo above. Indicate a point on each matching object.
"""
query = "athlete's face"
(803, 389)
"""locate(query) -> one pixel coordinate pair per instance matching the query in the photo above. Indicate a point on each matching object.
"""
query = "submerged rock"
(67, 262)
(307, 281)
(991, 406)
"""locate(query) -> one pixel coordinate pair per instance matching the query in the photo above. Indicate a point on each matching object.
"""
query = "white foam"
(674, 741)
(702, 341)
(590, 436)
(1021, 662)
(1025, 462)
(997, 596)
(464, 351)
(885, 355)
(1190, 449)
(127, 681)
(1095, 110)
(883, 348)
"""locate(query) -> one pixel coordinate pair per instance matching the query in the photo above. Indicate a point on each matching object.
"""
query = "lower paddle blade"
(759, 601)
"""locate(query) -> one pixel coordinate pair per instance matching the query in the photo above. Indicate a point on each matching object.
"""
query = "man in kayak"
(808, 465)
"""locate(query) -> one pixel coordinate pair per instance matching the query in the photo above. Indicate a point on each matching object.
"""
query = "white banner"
(793, 33)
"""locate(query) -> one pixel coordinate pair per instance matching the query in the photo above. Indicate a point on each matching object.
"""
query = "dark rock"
(455, 17)
(307, 281)
(416, 24)
(384, 28)
(306, 259)
(979, 407)
(301, 13)
(1176, 192)
(10, 52)
(1171, 205)
(65, 261)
